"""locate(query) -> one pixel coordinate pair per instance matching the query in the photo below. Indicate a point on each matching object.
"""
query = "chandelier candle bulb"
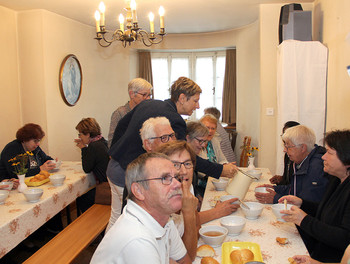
(121, 21)
(97, 18)
(151, 22)
(102, 9)
(133, 9)
(161, 14)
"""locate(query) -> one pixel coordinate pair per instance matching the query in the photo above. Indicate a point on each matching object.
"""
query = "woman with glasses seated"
(28, 139)
(197, 138)
(212, 151)
(189, 220)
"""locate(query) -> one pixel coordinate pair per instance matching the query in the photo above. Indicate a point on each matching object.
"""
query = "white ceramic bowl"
(261, 190)
(213, 235)
(228, 197)
(57, 179)
(33, 195)
(276, 208)
(234, 224)
(3, 196)
(255, 173)
(9, 183)
(254, 210)
(220, 184)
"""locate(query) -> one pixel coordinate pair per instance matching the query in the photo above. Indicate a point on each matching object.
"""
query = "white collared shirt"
(137, 237)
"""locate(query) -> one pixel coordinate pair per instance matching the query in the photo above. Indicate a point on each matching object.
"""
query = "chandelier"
(132, 32)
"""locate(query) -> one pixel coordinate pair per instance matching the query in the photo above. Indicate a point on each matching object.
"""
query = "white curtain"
(301, 88)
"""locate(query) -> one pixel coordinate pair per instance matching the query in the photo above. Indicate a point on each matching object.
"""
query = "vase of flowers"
(19, 164)
(251, 156)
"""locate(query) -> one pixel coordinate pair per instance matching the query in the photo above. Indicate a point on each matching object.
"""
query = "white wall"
(44, 39)
(10, 107)
(332, 28)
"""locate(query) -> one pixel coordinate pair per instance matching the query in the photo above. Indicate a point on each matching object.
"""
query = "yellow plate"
(35, 184)
(228, 247)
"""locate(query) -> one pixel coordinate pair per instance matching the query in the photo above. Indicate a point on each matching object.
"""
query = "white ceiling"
(181, 16)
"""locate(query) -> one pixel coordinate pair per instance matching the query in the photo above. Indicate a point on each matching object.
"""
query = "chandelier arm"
(150, 40)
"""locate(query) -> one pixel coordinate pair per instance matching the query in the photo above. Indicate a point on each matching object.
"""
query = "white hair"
(300, 135)
(139, 84)
(147, 130)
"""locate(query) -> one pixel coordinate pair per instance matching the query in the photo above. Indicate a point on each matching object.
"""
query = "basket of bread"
(37, 180)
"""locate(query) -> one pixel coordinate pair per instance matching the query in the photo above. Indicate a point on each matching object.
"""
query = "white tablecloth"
(19, 218)
(262, 231)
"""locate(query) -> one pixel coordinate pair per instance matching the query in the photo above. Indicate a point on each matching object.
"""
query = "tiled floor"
(39, 238)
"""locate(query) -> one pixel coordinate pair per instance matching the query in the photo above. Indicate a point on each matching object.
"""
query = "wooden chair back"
(244, 158)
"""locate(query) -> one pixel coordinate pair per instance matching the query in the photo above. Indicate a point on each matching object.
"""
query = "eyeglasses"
(187, 164)
(293, 146)
(145, 95)
(166, 179)
(165, 138)
(201, 142)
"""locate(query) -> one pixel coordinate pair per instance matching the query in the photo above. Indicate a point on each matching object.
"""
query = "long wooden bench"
(67, 245)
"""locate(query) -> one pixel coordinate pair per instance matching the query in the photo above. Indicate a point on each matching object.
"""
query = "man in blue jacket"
(308, 180)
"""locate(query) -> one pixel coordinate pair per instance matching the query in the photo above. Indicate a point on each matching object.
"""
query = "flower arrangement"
(250, 151)
(19, 163)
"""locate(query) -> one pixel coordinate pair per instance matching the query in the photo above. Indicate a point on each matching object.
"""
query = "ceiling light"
(129, 32)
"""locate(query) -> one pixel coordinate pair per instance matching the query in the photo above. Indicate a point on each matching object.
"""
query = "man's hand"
(266, 198)
(276, 179)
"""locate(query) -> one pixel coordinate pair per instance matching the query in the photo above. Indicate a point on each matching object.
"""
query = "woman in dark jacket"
(28, 138)
(94, 157)
(327, 225)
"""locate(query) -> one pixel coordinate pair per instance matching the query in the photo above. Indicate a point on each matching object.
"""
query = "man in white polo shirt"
(143, 233)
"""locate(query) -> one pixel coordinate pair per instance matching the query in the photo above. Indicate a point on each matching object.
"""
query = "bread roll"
(45, 173)
(292, 261)
(209, 260)
(241, 256)
(205, 251)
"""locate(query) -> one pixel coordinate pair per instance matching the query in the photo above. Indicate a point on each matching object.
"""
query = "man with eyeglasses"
(154, 132)
(143, 233)
(308, 180)
(139, 90)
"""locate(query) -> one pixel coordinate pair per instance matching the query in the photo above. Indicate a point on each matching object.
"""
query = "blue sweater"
(14, 148)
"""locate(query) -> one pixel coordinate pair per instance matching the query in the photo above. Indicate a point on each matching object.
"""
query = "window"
(207, 69)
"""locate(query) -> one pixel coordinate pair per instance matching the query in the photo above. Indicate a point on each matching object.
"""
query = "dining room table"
(19, 218)
(262, 231)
